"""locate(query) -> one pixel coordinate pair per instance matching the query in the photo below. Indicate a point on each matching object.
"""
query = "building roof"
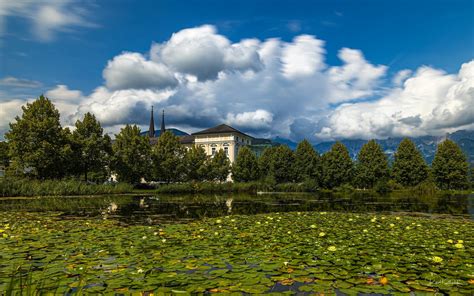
(188, 139)
(220, 129)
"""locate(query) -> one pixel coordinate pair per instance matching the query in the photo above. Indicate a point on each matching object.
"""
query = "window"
(226, 150)
(213, 149)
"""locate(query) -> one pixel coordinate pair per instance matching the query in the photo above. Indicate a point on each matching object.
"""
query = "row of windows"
(214, 150)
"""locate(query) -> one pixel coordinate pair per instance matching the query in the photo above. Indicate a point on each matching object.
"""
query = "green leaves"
(131, 155)
(245, 168)
(450, 167)
(409, 167)
(249, 254)
(337, 166)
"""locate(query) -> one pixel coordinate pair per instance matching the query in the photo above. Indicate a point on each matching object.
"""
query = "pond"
(281, 243)
(182, 208)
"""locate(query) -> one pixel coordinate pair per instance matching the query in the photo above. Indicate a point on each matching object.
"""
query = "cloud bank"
(272, 88)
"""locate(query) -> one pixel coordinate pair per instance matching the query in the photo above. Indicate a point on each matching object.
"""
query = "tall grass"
(24, 187)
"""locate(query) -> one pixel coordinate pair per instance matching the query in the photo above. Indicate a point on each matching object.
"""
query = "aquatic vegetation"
(246, 254)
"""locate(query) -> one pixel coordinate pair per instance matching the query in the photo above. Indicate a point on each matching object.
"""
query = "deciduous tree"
(307, 163)
(371, 166)
(39, 146)
(450, 167)
(92, 148)
(131, 155)
(245, 167)
(337, 166)
(219, 166)
(196, 164)
(409, 168)
(168, 158)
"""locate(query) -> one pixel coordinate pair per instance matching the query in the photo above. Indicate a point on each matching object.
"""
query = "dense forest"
(38, 147)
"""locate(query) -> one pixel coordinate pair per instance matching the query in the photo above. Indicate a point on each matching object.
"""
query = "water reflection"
(168, 209)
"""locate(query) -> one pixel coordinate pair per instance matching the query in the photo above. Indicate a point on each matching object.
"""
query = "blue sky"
(73, 41)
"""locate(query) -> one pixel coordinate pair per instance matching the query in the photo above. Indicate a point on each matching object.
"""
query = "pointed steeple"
(151, 130)
(163, 129)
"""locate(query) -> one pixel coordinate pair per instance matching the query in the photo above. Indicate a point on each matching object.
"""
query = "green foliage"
(307, 163)
(38, 145)
(25, 187)
(265, 162)
(219, 166)
(371, 166)
(131, 155)
(283, 165)
(245, 168)
(4, 155)
(168, 158)
(196, 164)
(276, 165)
(409, 167)
(450, 167)
(92, 149)
(337, 166)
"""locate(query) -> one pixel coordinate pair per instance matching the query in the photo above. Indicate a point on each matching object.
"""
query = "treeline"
(38, 147)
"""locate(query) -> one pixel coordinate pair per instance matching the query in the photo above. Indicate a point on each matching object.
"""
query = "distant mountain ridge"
(174, 131)
(426, 144)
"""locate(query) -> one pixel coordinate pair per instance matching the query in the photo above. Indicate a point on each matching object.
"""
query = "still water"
(157, 209)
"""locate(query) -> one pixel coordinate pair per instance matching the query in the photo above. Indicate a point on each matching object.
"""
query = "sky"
(320, 70)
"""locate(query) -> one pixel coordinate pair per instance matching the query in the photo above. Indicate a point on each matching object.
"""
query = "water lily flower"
(321, 234)
(144, 237)
(460, 241)
(437, 259)
(456, 232)
(218, 221)
(373, 219)
(350, 219)
(392, 225)
(365, 230)
(232, 220)
(450, 241)
(289, 232)
(397, 218)
(155, 233)
(216, 233)
(140, 270)
(459, 246)
(202, 229)
(163, 240)
(332, 248)
(313, 226)
(408, 228)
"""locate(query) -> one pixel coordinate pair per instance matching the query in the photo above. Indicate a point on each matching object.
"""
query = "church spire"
(151, 130)
(163, 129)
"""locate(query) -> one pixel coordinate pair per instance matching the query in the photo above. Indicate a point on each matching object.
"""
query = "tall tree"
(283, 165)
(4, 154)
(245, 167)
(307, 162)
(219, 166)
(337, 166)
(39, 146)
(168, 158)
(409, 168)
(371, 165)
(450, 167)
(196, 164)
(131, 155)
(92, 148)
(265, 161)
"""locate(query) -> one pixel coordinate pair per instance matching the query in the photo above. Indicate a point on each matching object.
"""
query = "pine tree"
(371, 166)
(245, 167)
(337, 166)
(409, 168)
(168, 158)
(219, 166)
(196, 164)
(38, 145)
(307, 163)
(131, 155)
(450, 167)
(92, 147)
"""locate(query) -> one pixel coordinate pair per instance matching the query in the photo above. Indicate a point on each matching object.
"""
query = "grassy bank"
(304, 252)
(23, 187)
